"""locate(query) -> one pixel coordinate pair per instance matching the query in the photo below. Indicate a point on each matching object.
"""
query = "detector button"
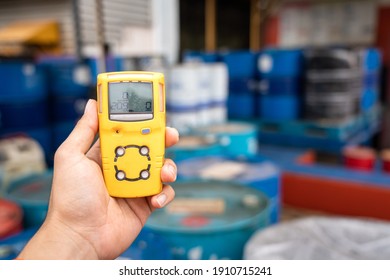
(144, 150)
(120, 175)
(119, 151)
(145, 131)
(145, 174)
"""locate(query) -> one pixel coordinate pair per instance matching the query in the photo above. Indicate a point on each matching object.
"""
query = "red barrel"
(11, 218)
(385, 155)
(359, 158)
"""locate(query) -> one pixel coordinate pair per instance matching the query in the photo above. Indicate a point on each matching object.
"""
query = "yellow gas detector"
(131, 109)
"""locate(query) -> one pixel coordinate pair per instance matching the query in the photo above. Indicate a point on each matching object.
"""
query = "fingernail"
(172, 170)
(161, 199)
(88, 106)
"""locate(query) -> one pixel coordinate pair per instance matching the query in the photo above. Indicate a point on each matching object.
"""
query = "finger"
(94, 153)
(171, 136)
(163, 198)
(168, 171)
(82, 136)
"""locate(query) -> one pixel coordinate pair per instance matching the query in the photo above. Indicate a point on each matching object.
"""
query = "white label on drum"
(224, 170)
(81, 75)
(195, 206)
(265, 63)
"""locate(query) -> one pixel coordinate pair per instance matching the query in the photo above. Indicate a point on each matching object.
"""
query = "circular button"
(120, 151)
(144, 150)
(145, 174)
(120, 175)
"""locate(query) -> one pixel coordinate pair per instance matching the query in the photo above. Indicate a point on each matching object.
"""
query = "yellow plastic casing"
(130, 137)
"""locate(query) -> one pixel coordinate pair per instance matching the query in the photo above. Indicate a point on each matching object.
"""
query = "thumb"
(82, 136)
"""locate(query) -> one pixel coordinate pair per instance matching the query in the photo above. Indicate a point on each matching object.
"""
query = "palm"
(101, 219)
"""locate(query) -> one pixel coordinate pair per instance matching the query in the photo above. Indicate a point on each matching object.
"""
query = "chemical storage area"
(282, 107)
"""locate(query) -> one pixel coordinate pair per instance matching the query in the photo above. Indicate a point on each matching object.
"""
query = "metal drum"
(258, 173)
(32, 194)
(23, 97)
(238, 139)
(191, 146)
(210, 219)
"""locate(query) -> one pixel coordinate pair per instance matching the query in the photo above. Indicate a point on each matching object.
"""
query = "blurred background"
(282, 106)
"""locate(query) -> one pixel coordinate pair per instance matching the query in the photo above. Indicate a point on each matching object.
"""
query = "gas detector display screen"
(130, 97)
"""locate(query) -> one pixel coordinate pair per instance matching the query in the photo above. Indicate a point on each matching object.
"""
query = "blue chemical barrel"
(148, 246)
(192, 146)
(280, 63)
(11, 247)
(238, 139)
(69, 87)
(61, 131)
(32, 194)
(210, 219)
(257, 172)
(23, 97)
(240, 64)
(66, 76)
(241, 105)
(280, 86)
(280, 107)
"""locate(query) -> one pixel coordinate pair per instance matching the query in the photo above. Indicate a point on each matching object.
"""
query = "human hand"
(83, 221)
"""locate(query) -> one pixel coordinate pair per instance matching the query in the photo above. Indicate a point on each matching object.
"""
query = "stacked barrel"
(24, 101)
(280, 72)
(69, 83)
(242, 83)
(333, 84)
(371, 62)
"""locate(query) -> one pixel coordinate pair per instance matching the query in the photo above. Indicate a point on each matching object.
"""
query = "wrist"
(55, 240)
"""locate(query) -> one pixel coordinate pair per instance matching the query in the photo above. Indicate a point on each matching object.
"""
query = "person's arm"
(83, 221)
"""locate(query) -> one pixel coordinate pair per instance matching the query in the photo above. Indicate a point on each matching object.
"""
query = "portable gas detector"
(131, 109)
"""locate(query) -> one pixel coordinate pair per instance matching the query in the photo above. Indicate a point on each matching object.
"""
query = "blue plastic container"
(237, 139)
(240, 64)
(257, 172)
(371, 79)
(371, 59)
(370, 98)
(219, 232)
(23, 97)
(279, 107)
(32, 193)
(280, 63)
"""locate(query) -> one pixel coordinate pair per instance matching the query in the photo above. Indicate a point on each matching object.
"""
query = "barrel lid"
(224, 168)
(33, 189)
(210, 206)
(189, 142)
(233, 127)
